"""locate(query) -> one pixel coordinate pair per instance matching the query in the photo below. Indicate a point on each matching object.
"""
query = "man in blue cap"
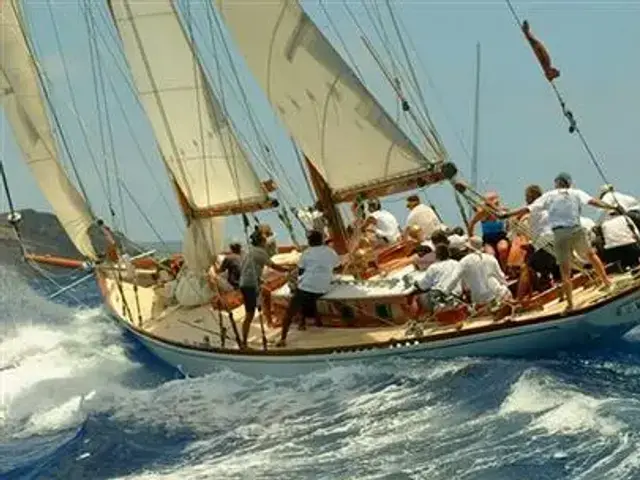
(564, 205)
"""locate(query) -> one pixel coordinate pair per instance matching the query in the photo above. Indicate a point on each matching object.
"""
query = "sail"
(24, 107)
(336, 121)
(207, 163)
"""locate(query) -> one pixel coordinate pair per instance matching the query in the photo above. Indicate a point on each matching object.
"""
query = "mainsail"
(339, 125)
(23, 103)
(209, 167)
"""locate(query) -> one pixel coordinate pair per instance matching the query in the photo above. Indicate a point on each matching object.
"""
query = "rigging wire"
(414, 77)
(573, 124)
(47, 96)
(92, 59)
(65, 68)
(340, 38)
(432, 85)
(142, 153)
(106, 107)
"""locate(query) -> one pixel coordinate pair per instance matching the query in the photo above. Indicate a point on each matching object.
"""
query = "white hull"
(611, 319)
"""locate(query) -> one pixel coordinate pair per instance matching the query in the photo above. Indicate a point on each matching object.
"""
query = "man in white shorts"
(564, 205)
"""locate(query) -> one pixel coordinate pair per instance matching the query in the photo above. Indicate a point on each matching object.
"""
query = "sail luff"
(24, 106)
(336, 121)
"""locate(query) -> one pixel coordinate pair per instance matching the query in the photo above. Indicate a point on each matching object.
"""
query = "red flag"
(541, 53)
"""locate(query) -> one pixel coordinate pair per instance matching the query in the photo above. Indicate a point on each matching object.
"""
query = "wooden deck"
(200, 326)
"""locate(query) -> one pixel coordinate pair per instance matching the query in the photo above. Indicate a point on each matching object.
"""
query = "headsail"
(210, 169)
(337, 122)
(198, 144)
(23, 103)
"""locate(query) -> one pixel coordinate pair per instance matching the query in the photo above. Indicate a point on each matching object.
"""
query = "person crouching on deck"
(314, 280)
(564, 205)
(252, 265)
(439, 280)
(475, 273)
(494, 229)
(620, 241)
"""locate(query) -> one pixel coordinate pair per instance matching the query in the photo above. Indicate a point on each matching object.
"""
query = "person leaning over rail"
(494, 229)
(564, 205)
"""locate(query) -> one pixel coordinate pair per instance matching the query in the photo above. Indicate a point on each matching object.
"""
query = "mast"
(330, 210)
(476, 123)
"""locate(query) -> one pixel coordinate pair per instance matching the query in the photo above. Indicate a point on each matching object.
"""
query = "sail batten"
(197, 142)
(340, 126)
(24, 107)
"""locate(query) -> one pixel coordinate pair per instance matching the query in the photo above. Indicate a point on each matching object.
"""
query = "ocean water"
(80, 400)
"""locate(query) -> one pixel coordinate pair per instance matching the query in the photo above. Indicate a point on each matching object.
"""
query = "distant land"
(43, 234)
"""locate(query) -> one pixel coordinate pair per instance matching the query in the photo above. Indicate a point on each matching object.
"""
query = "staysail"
(339, 125)
(209, 167)
(23, 104)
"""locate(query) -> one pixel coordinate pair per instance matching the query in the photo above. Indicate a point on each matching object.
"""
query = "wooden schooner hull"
(183, 338)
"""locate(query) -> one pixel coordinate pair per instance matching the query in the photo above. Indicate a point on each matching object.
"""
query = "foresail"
(336, 121)
(24, 107)
(197, 142)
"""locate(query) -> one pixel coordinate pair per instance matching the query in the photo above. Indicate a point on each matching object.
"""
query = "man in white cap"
(564, 205)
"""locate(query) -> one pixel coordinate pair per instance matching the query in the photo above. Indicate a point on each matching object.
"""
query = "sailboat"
(352, 148)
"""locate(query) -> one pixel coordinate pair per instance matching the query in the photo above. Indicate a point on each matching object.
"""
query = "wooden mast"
(330, 211)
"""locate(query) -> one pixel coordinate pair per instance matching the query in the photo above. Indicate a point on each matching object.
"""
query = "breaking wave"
(82, 400)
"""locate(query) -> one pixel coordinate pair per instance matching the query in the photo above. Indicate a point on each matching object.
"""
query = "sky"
(523, 135)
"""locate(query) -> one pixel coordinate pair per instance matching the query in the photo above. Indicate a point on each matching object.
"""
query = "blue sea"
(81, 400)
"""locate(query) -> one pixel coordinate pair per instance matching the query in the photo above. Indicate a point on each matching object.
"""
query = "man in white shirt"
(385, 226)
(495, 276)
(620, 236)
(439, 279)
(474, 276)
(564, 205)
(542, 262)
(421, 215)
(315, 273)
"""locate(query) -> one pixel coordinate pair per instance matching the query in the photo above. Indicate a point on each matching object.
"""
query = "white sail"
(197, 142)
(336, 121)
(22, 100)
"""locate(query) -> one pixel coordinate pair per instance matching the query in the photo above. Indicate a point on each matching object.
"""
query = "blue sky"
(523, 136)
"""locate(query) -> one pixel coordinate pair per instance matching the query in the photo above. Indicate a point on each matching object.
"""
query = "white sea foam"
(50, 357)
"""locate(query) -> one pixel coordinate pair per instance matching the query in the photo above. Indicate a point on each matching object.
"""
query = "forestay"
(336, 121)
(24, 107)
